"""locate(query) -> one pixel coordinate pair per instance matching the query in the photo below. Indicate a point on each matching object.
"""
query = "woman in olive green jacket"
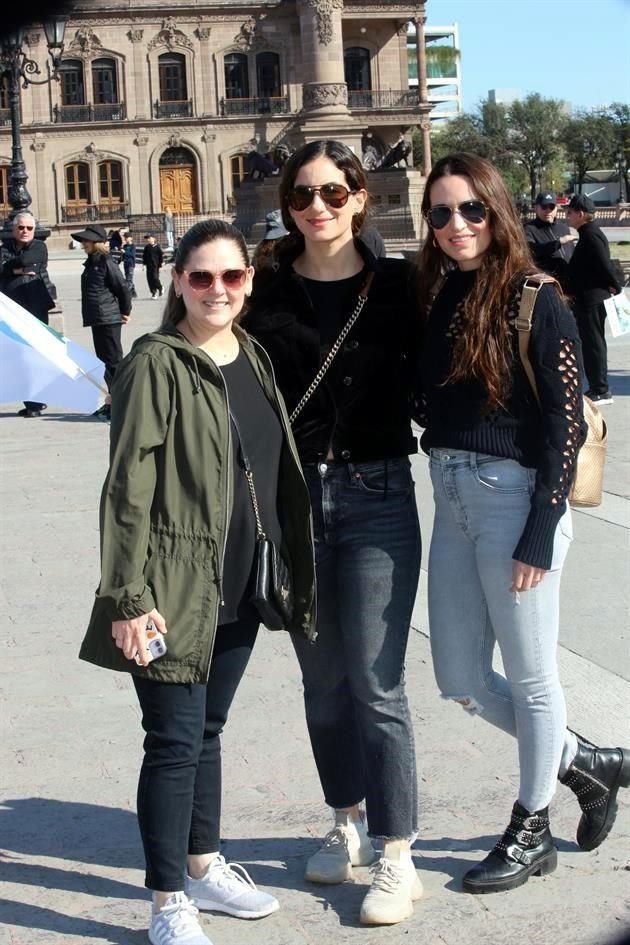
(177, 548)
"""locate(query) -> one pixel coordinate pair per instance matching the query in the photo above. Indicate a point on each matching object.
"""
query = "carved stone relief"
(32, 38)
(85, 42)
(317, 94)
(170, 36)
(203, 32)
(324, 10)
(135, 35)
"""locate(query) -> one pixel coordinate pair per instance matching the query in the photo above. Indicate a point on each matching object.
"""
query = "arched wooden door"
(178, 181)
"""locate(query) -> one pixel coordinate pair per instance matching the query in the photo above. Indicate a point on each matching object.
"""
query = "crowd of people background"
(200, 408)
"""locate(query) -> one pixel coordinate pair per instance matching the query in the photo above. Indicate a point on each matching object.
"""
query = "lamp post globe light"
(15, 64)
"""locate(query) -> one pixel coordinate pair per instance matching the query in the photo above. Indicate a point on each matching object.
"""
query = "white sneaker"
(228, 887)
(395, 887)
(176, 923)
(345, 846)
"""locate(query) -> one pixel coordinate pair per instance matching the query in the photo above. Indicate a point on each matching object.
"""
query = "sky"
(576, 50)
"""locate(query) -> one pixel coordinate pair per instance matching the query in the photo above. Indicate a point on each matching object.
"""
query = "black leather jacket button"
(347, 381)
(345, 454)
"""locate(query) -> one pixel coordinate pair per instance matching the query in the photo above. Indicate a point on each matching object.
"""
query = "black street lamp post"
(16, 65)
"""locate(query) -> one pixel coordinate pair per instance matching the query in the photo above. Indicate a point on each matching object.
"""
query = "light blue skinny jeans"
(481, 505)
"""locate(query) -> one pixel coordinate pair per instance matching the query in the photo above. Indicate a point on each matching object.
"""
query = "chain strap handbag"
(271, 591)
(343, 334)
(588, 483)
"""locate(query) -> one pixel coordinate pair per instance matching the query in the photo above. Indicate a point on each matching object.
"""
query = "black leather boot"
(525, 849)
(595, 775)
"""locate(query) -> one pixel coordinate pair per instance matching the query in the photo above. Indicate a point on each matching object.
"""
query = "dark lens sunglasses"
(334, 195)
(548, 206)
(473, 211)
(200, 280)
(21, 226)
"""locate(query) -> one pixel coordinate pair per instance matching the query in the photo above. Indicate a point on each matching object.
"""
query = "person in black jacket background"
(105, 302)
(550, 240)
(152, 260)
(24, 278)
(592, 279)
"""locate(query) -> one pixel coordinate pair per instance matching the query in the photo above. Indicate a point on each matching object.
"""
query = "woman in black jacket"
(105, 302)
(354, 436)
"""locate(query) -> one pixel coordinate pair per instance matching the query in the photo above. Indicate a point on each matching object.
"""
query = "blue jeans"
(481, 504)
(367, 543)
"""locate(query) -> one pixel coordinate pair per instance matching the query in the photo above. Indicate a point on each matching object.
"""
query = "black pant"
(179, 792)
(591, 321)
(108, 348)
(153, 279)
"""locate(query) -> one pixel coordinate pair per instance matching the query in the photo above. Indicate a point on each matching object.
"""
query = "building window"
(356, 62)
(4, 187)
(236, 78)
(110, 182)
(173, 86)
(268, 74)
(77, 184)
(104, 82)
(71, 82)
(237, 170)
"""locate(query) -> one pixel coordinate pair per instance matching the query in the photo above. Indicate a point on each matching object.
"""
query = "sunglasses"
(472, 211)
(200, 280)
(21, 226)
(547, 206)
(333, 195)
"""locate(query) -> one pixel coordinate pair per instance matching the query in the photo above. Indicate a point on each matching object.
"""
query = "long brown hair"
(207, 231)
(344, 159)
(483, 349)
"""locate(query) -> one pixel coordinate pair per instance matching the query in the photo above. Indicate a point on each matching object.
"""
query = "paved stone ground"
(71, 862)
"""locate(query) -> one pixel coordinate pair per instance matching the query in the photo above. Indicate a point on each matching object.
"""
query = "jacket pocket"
(181, 573)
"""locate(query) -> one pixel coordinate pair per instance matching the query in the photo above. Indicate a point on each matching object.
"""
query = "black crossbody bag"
(271, 590)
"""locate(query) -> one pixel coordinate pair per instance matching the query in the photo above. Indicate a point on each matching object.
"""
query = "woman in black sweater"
(354, 436)
(501, 469)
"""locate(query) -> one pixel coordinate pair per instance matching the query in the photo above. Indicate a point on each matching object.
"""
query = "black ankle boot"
(525, 849)
(595, 775)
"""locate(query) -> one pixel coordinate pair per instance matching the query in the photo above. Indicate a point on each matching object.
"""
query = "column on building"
(324, 90)
(139, 104)
(424, 105)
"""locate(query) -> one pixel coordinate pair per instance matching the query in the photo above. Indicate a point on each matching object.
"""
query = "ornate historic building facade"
(163, 104)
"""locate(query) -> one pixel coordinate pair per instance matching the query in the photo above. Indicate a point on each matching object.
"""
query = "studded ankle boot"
(595, 775)
(525, 849)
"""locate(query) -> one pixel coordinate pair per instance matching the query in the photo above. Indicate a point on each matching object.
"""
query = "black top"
(546, 439)
(34, 292)
(591, 273)
(105, 295)
(549, 253)
(362, 410)
(261, 432)
(152, 255)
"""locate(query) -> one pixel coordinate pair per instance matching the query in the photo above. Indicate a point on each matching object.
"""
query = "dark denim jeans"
(179, 792)
(367, 542)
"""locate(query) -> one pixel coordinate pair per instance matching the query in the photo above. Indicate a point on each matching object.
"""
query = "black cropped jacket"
(361, 410)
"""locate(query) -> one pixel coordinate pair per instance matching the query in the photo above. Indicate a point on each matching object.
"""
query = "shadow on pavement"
(619, 382)
(32, 917)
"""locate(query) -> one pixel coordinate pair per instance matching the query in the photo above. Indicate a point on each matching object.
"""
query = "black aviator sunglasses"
(335, 195)
(473, 211)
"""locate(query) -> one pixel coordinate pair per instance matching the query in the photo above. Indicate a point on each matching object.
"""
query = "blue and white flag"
(41, 365)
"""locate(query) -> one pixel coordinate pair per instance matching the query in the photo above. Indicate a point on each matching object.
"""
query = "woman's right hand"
(130, 636)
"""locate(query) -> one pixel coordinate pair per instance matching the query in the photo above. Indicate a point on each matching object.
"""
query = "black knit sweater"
(546, 439)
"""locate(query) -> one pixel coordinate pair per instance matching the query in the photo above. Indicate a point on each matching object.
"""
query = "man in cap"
(592, 279)
(24, 278)
(550, 240)
(105, 303)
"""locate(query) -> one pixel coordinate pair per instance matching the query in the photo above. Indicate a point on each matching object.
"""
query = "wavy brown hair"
(483, 349)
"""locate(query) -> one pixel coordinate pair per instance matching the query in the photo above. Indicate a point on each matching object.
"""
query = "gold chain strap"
(335, 348)
(250, 482)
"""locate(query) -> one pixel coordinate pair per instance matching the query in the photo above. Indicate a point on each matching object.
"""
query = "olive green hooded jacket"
(166, 505)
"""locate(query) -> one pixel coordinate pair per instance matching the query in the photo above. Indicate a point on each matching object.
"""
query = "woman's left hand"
(525, 576)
